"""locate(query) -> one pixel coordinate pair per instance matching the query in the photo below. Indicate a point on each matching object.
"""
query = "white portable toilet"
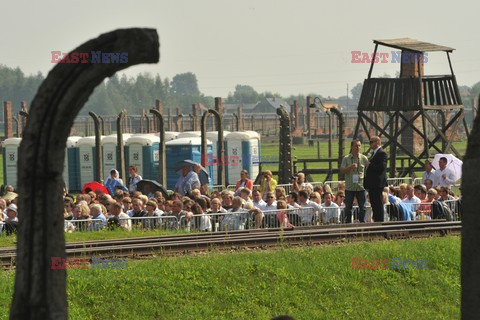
(143, 152)
(243, 146)
(189, 134)
(169, 135)
(70, 164)
(254, 134)
(213, 136)
(109, 150)
(10, 161)
(86, 159)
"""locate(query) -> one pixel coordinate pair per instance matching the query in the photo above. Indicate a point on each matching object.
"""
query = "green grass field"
(307, 283)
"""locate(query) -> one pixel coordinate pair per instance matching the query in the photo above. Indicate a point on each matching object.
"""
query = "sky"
(285, 47)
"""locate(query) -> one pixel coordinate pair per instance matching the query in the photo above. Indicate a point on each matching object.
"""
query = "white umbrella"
(453, 164)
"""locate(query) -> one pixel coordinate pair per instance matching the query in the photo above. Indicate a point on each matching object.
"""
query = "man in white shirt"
(238, 217)
(245, 195)
(411, 198)
(312, 209)
(258, 201)
(119, 218)
(443, 177)
(271, 202)
(429, 171)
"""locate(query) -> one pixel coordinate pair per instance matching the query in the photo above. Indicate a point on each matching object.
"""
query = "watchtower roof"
(410, 44)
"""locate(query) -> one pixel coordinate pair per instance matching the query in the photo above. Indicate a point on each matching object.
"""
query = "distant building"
(264, 106)
(233, 107)
(270, 105)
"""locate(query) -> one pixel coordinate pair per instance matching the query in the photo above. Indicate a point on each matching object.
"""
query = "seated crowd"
(246, 207)
(419, 202)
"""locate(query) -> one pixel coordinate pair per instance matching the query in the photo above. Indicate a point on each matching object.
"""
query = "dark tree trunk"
(40, 291)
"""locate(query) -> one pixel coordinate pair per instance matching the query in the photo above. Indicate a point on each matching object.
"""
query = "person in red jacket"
(243, 182)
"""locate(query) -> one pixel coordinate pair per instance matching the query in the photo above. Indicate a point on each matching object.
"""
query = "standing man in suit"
(376, 178)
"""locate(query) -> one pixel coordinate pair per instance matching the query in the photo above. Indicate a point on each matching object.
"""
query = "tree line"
(136, 93)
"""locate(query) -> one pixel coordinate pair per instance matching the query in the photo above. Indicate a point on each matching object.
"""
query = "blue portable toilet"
(244, 146)
(71, 175)
(170, 135)
(86, 160)
(142, 150)
(213, 136)
(10, 161)
(184, 149)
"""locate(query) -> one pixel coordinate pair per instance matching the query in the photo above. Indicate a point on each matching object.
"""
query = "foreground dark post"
(470, 226)
(24, 113)
(330, 138)
(18, 122)
(341, 138)
(285, 166)
(102, 123)
(98, 147)
(162, 163)
(309, 120)
(220, 147)
(120, 147)
(40, 290)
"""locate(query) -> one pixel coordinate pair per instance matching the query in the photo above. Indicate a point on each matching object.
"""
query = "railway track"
(257, 238)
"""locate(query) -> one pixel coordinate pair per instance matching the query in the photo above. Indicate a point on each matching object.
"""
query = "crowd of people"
(363, 197)
(366, 178)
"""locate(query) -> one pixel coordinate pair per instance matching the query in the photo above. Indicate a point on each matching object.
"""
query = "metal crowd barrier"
(242, 220)
(155, 222)
(456, 208)
(245, 220)
(306, 216)
(162, 222)
(209, 222)
(84, 225)
(398, 181)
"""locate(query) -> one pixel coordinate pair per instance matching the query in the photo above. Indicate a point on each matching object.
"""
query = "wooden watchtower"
(416, 100)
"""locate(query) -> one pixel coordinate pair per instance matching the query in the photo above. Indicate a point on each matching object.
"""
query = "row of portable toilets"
(242, 151)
